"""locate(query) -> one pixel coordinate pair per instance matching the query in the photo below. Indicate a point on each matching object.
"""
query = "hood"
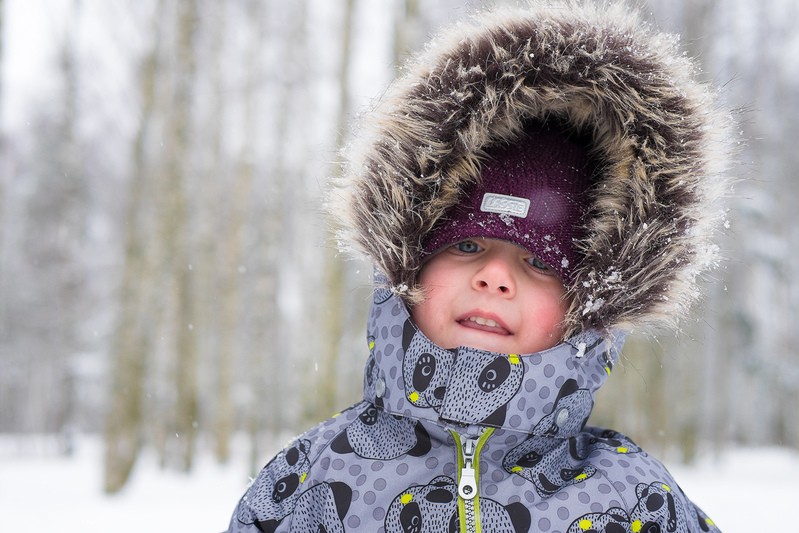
(550, 393)
(601, 71)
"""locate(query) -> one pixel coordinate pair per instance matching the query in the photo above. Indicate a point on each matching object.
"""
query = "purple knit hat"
(532, 193)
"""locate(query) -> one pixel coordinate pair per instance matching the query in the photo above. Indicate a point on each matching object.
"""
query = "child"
(539, 183)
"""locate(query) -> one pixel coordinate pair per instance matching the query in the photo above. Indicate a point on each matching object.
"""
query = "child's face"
(491, 295)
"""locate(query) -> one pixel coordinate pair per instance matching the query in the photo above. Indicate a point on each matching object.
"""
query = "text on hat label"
(505, 205)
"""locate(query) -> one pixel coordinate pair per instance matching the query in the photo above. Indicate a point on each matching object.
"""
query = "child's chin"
(496, 345)
(505, 345)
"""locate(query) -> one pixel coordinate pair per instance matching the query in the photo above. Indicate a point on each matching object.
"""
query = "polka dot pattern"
(401, 466)
(521, 389)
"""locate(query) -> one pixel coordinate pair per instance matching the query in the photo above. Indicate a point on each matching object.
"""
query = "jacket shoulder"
(289, 480)
(651, 495)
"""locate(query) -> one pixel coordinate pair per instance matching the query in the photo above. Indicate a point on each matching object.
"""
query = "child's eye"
(536, 263)
(467, 247)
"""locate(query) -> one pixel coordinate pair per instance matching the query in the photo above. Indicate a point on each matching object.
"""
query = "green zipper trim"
(475, 502)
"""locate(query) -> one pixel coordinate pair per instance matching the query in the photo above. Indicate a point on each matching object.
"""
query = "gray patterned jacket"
(465, 441)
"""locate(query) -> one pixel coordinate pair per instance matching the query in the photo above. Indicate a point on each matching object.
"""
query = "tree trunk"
(334, 280)
(235, 280)
(176, 235)
(224, 270)
(131, 339)
(407, 31)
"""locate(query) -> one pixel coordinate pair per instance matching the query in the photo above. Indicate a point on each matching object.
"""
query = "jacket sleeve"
(274, 493)
(649, 498)
(288, 482)
(697, 520)
(236, 525)
(662, 506)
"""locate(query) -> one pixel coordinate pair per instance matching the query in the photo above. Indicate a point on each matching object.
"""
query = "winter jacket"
(466, 440)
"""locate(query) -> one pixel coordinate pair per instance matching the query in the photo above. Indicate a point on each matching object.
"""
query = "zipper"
(468, 474)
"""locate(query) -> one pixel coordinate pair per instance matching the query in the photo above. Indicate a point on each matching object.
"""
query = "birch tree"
(406, 30)
(221, 320)
(261, 277)
(334, 282)
(132, 338)
(175, 231)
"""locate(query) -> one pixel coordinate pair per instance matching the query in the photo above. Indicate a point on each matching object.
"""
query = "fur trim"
(606, 73)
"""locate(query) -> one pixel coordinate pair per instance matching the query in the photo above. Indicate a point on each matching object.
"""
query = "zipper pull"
(467, 486)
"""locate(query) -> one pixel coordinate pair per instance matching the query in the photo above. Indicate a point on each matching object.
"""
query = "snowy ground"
(745, 491)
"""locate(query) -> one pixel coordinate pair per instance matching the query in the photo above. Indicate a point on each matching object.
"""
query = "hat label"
(505, 205)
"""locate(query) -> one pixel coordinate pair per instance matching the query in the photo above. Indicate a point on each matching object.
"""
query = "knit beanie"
(531, 193)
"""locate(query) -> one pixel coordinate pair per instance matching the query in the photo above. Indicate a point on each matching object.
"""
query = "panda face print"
(425, 369)
(549, 464)
(494, 375)
(614, 520)
(376, 434)
(322, 508)
(431, 508)
(285, 487)
(497, 517)
(613, 441)
(277, 486)
(657, 507)
(488, 381)
(570, 412)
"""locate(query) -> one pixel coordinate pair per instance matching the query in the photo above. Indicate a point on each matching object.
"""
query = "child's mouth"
(484, 324)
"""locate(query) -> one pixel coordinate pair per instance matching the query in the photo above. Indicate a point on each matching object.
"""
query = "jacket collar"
(545, 393)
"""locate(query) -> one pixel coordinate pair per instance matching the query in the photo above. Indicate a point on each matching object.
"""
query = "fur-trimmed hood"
(604, 72)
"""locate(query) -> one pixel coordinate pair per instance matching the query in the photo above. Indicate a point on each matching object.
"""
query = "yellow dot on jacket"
(303, 476)
(514, 359)
(406, 498)
(371, 345)
(622, 449)
(516, 469)
(585, 524)
(666, 487)
(636, 526)
(414, 396)
(581, 477)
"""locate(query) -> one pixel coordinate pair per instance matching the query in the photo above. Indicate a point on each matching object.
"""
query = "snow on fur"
(602, 71)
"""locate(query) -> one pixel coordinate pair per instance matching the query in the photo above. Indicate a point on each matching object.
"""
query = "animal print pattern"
(278, 486)
(430, 508)
(491, 381)
(658, 510)
(614, 520)
(389, 464)
(425, 369)
(322, 508)
(376, 434)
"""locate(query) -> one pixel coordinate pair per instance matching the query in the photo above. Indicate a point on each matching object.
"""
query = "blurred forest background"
(167, 278)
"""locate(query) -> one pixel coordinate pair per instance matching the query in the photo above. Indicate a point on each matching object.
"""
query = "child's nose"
(496, 275)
